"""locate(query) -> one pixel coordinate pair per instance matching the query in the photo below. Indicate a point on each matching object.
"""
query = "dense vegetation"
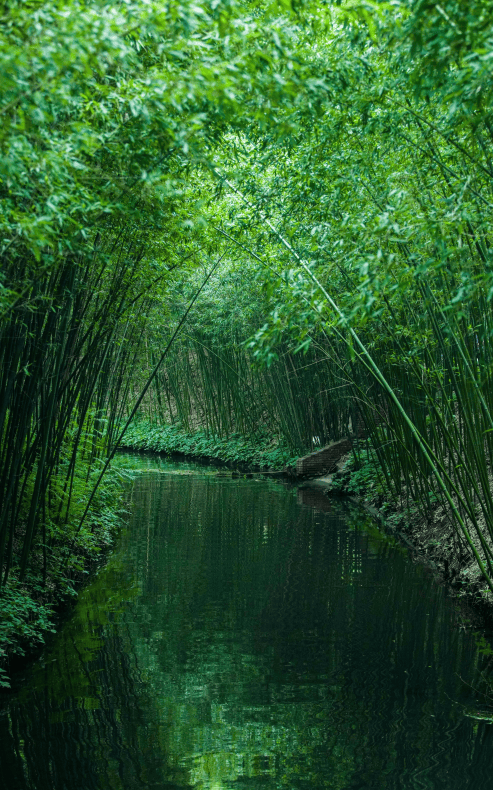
(260, 451)
(308, 185)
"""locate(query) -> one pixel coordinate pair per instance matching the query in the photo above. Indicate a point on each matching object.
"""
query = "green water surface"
(245, 634)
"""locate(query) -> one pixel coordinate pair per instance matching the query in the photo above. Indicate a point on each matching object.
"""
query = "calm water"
(244, 636)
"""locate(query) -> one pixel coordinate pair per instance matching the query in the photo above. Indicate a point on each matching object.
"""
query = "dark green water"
(242, 638)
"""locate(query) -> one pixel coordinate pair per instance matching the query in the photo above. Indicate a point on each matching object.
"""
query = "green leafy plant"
(260, 450)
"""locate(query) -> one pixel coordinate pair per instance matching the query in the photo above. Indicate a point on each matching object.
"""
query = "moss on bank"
(260, 450)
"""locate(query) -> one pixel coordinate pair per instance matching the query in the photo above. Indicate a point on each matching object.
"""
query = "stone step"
(325, 460)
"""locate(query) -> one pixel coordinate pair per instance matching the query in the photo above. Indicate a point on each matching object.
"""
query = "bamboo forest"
(246, 394)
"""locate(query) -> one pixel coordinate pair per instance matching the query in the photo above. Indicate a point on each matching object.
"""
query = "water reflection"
(242, 636)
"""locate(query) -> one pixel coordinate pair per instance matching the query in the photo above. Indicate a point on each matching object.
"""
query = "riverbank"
(32, 609)
(430, 536)
(261, 452)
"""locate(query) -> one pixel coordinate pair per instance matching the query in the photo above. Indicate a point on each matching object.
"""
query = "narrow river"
(248, 635)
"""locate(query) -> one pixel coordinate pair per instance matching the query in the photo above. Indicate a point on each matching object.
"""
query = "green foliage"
(484, 646)
(261, 450)
(336, 159)
(60, 564)
(374, 225)
(364, 476)
(23, 623)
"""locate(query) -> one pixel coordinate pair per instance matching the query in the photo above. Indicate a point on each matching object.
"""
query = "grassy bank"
(260, 450)
(62, 559)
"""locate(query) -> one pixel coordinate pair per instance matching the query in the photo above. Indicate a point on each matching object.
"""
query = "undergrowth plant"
(62, 557)
(261, 449)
